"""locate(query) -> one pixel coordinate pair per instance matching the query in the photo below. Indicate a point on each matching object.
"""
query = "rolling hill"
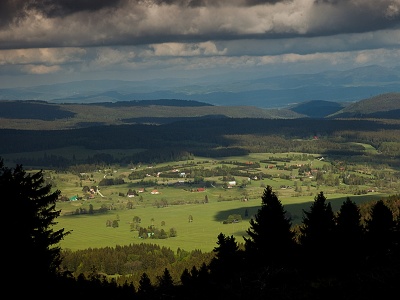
(41, 115)
(317, 108)
(386, 106)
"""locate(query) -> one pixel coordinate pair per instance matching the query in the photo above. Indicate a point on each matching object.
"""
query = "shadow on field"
(294, 211)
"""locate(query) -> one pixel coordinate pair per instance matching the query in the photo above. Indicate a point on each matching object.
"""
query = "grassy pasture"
(368, 148)
(90, 231)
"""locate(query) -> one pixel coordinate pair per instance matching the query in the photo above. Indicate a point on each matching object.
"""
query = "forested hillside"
(381, 106)
(204, 137)
(41, 115)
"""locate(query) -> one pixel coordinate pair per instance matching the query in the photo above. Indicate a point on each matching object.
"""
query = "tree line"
(182, 140)
(329, 255)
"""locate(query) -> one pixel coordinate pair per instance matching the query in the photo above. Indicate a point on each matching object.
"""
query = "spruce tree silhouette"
(165, 282)
(380, 231)
(32, 245)
(271, 241)
(186, 280)
(349, 236)
(227, 261)
(317, 235)
(227, 247)
(146, 288)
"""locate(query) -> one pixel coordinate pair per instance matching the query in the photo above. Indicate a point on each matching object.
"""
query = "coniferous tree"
(349, 234)
(194, 273)
(227, 247)
(145, 285)
(165, 282)
(317, 233)
(32, 245)
(271, 240)
(226, 262)
(380, 230)
(203, 275)
(186, 279)
(396, 239)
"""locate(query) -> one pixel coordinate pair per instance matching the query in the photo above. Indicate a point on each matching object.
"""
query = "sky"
(51, 41)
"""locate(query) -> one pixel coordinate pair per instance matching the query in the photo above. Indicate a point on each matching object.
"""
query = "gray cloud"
(351, 16)
(135, 21)
(55, 36)
(14, 10)
(61, 8)
(10, 10)
(204, 3)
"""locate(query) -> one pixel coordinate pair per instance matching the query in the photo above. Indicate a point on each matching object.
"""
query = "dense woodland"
(168, 130)
(208, 138)
(347, 255)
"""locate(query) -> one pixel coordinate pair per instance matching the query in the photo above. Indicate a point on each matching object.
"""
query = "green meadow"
(174, 203)
(90, 230)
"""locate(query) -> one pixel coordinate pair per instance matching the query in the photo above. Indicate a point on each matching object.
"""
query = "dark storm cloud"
(11, 9)
(203, 3)
(69, 37)
(59, 23)
(352, 16)
(14, 10)
(258, 2)
(60, 8)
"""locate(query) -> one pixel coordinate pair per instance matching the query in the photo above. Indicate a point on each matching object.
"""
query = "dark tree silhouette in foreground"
(32, 245)
(165, 282)
(227, 261)
(380, 230)
(271, 240)
(145, 288)
(348, 238)
(34, 257)
(316, 236)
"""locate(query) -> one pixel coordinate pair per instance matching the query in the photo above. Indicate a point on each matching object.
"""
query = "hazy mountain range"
(384, 106)
(37, 115)
(267, 92)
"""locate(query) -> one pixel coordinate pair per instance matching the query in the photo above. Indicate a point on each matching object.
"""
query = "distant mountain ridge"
(32, 110)
(385, 106)
(160, 102)
(46, 115)
(40, 115)
(266, 92)
(381, 106)
(317, 108)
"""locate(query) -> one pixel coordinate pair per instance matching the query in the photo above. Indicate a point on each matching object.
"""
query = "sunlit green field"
(90, 231)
